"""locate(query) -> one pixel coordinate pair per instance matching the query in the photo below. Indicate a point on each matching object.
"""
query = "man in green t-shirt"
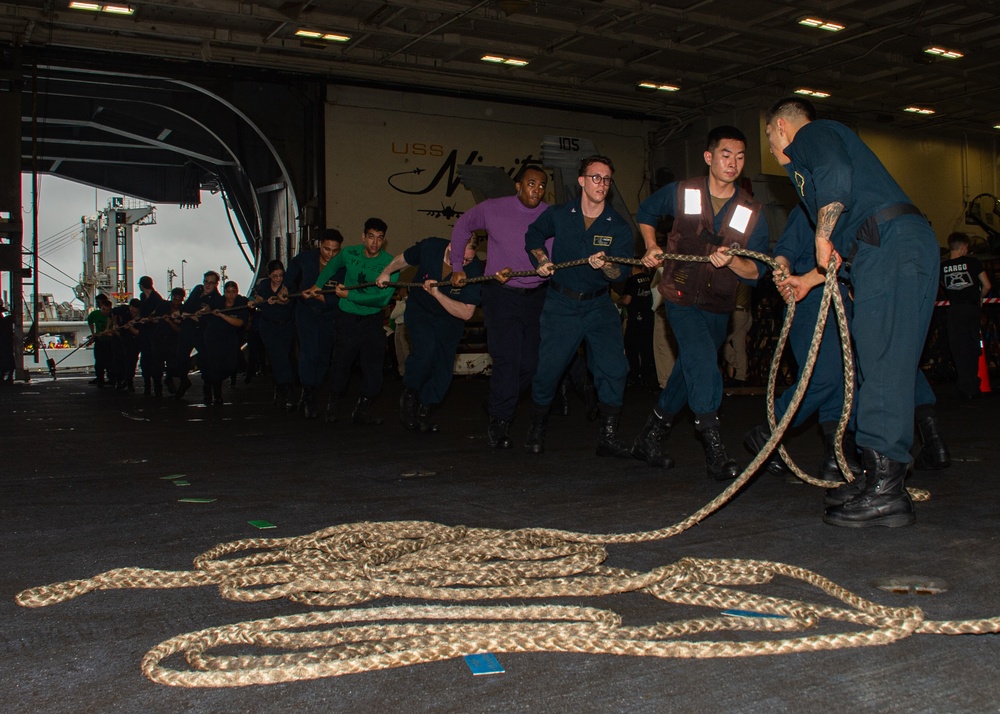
(99, 320)
(359, 323)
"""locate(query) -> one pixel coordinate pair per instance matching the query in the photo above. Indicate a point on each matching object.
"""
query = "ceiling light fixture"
(912, 109)
(317, 35)
(812, 93)
(100, 7)
(497, 59)
(827, 25)
(942, 52)
(653, 86)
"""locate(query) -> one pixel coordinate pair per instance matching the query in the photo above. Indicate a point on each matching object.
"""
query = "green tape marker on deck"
(196, 500)
(262, 524)
(171, 477)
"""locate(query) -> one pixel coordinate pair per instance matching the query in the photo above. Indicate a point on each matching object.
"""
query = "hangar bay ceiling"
(161, 101)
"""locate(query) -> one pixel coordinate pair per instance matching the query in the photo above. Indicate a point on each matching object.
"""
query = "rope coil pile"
(354, 564)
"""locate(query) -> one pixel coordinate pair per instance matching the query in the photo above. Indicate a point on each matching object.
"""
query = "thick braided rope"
(362, 562)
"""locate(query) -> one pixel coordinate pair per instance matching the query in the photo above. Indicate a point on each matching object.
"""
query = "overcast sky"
(201, 236)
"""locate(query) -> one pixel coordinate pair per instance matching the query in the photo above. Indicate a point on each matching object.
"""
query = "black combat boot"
(608, 443)
(361, 415)
(829, 470)
(535, 443)
(754, 441)
(157, 386)
(206, 394)
(408, 409)
(169, 382)
(884, 500)
(717, 462)
(933, 453)
(648, 446)
(331, 415)
(498, 433)
(424, 420)
(308, 403)
(217, 394)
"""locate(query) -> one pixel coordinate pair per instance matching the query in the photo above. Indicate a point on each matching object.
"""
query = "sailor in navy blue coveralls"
(863, 216)
(315, 320)
(711, 214)
(796, 251)
(578, 305)
(435, 320)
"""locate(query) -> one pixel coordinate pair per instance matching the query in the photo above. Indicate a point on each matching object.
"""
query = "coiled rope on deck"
(348, 565)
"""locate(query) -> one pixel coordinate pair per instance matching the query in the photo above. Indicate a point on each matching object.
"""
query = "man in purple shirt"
(511, 310)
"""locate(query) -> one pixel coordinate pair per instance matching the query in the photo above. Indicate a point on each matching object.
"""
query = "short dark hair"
(525, 168)
(595, 159)
(275, 265)
(135, 302)
(102, 299)
(218, 278)
(145, 282)
(956, 239)
(791, 108)
(375, 224)
(331, 234)
(229, 284)
(177, 291)
(719, 133)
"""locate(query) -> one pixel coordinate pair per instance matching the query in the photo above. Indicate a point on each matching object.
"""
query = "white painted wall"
(393, 155)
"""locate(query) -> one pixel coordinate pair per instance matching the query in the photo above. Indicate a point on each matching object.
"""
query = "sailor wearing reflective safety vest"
(711, 214)
(578, 305)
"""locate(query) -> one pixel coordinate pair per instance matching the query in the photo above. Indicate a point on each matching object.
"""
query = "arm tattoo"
(826, 219)
(540, 257)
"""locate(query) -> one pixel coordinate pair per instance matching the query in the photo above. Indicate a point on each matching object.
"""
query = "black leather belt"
(574, 295)
(868, 232)
(522, 291)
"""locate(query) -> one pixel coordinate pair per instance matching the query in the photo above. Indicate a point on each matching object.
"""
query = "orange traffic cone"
(984, 371)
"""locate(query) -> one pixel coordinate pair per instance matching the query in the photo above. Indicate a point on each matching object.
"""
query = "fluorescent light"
(496, 59)
(821, 24)
(996, 126)
(942, 52)
(812, 93)
(317, 35)
(918, 110)
(661, 87)
(100, 7)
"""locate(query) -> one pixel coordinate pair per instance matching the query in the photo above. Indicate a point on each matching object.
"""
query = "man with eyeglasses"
(711, 214)
(578, 304)
(511, 309)
(359, 324)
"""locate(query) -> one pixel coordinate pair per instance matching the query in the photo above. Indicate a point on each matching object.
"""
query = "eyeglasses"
(598, 179)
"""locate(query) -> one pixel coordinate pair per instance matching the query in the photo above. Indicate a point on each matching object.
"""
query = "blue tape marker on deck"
(484, 664)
